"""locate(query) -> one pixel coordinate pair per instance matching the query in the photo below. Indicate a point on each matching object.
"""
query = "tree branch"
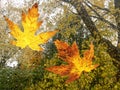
(101, 18)
(117, 17)
(106, 21)
(113, 51)
(105, 9)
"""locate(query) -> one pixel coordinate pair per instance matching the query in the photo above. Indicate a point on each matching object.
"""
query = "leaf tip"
(35, 5)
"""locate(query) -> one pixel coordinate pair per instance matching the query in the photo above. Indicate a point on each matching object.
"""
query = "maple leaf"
(76, 64)
(31, 25)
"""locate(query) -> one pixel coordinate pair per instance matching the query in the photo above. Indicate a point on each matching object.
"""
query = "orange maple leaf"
(76, 64)
(31, 25)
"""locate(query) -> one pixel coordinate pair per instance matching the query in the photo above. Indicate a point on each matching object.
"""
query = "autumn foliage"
(31, 25)
(75, 64)
(70, 54)
(69, 61)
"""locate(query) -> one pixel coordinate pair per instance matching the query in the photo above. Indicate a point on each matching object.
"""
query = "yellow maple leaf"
(76, 64)
(31, 25)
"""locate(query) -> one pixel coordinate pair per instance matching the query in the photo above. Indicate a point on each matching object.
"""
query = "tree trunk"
(117, 16)
(113, 51)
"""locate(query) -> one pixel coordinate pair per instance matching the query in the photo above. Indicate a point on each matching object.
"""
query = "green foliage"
(103, 78)
(68, 24)
(30, 74)
(18, 79)
(12, 79)
(106, 72)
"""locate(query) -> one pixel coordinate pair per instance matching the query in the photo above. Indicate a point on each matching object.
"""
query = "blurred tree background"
(82, 21)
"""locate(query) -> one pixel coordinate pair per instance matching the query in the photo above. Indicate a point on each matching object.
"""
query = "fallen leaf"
(31, 25)
(76, 64)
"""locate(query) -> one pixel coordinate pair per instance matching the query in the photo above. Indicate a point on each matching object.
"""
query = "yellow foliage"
(30, 24)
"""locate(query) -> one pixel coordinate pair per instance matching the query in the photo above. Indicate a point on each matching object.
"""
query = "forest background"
(82, 21)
